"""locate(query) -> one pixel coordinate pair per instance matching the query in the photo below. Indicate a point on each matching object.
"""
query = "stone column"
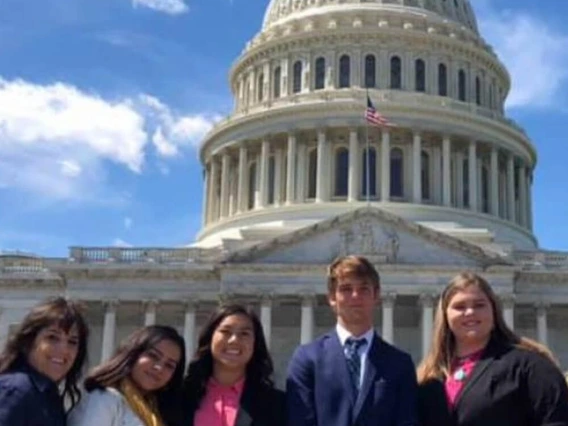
(307, 325)
(416, 168)
(225, 180)
(542, 323)
(189, 328)
(266, 317)
(385, 165)
(459, 159)
(512, 213)
(387, 305)
(263, 188)
(523, 196)
(4, 328)
(301, 175)
(109, 329)
(427, 304)
(291, 170)
(446, 179)
(321, 178)
(150, 312)
(472, 165)
(242, 184)
(354, 170)
(529, 201)
(508, 302)
(494, 182)
(206, 184)
(213, 199)
(278, 166)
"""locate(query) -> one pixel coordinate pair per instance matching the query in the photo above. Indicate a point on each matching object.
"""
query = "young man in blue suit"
(350, 376)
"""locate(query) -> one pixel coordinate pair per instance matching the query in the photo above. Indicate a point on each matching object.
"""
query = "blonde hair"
(436, 364)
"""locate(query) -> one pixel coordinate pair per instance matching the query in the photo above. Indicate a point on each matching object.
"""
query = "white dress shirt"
(103, 408)
(369, 335)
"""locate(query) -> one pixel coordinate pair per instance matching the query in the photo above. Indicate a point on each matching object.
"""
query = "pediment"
(383, 237)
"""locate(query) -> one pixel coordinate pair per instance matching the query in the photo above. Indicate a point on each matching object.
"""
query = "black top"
(509, 386)
(28, 398)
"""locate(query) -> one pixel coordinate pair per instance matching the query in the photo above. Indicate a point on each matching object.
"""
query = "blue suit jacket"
(319, 392)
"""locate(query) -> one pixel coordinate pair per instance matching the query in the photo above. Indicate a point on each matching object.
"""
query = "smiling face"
(232, 343)
(155, 367)
(470, 316)
(54, 351)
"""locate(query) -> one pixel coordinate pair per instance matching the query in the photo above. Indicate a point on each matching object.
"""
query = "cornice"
(134, 272)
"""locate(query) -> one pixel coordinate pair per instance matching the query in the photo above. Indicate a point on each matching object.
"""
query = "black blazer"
(262, 406)
(508, 387)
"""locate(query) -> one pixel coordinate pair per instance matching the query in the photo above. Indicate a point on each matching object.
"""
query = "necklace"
(460, 374)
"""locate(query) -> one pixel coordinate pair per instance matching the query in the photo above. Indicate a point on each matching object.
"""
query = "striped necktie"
(352, 347)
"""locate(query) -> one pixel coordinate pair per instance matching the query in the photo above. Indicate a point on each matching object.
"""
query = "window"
(420, 75)
(312, 173)
(320, 73)
(251, 185)
(372, 173)
(370, 71)
(276, 83)
(271, 179)
(260, 87)
(442, 80)
(344, 71)
(465, 199)
(491, 100)
(485, 189)
(341, 172)
(397, 175)
(425, 175)
(477, 91)
(395, 71)
(461, 85)
(297, 77)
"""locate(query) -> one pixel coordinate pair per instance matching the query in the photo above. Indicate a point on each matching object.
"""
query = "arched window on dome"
(370, 71)
(372, 173)
(297, 77)
(425, 175)
(251, 185)
(320, 73)
(277, 81)
(397, 173)
(312, 172)
(461, 85)
(260, 87)
(341, 172)
(420, 75)
(395, 73)
(344, 71)
(442, 80)
(485, 188)
(477, 91)
(271, 178)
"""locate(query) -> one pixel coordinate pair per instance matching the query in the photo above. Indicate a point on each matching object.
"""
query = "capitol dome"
(460, 11)
(294, 150)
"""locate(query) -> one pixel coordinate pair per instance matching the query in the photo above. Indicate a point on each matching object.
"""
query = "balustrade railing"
(141, 255)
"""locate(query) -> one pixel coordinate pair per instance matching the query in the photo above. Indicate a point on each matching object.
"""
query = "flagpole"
(367, 159)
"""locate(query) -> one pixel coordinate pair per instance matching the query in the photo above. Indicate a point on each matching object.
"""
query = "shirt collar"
(41, 382)
(343, 335)
(235, 387)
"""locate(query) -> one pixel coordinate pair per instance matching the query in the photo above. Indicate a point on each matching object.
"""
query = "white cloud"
(55, 140)
(118, 242)
(172, 7)
(128, 223)
(535, 54)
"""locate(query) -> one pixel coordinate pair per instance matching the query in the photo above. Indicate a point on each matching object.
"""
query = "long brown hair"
(119, 366)
(436, 364)
(59, 312)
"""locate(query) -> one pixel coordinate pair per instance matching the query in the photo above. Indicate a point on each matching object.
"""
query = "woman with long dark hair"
(46, 353)
(229, 379)
(478, 372)
(139, 386)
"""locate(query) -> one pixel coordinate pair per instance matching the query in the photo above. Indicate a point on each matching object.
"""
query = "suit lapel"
(337, 359)
(372, 367)
(243, 415)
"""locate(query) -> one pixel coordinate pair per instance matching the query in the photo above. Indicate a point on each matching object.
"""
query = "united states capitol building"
(286, 189)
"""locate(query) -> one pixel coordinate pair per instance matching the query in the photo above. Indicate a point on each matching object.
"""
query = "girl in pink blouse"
(228, 381)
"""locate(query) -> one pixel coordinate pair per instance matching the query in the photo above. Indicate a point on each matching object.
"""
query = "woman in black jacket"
(479, 373)
(229, 379)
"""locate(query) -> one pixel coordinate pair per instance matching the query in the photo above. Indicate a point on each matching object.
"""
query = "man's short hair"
(352, 266)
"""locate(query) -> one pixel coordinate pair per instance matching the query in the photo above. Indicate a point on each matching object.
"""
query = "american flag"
(373, 116)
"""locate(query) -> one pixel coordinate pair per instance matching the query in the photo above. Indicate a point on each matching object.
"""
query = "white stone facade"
(286, 189)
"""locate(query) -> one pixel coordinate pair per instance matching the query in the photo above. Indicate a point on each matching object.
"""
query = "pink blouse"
(461, 370)
(220, 404)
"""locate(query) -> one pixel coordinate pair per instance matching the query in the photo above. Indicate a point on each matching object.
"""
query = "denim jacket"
(27, 398)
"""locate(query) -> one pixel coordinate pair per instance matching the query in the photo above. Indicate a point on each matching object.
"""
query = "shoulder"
(392, 352)
(529, 360)
(16, 382)
(101, 399)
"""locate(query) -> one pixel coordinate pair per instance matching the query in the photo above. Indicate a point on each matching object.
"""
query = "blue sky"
(103, 103)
